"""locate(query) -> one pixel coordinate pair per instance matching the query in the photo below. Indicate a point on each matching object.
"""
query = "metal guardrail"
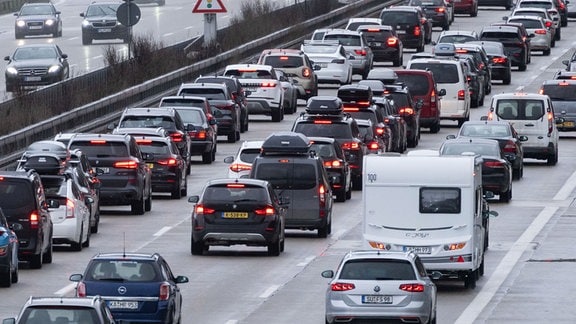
(95, 116)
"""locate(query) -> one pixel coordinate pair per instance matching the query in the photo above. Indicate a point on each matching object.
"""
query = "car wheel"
(552, 158)
(36, 261)
(507, 78)
(546, 52)
(517, 173)
(137, 206)
(349, 193)
(470, 279)
(197, 247)
(420, 48)
(341, 195)
(77, 246)
(232, 138)
(558, 35)
(214, 148)
(488, 88)
(86, 40)
(412, 142)
(506, 196)
(94, 228)
(474, 12)
(6, 278)
(207, 157)
(323, 232)
(553, 43)
(435, 128)
(274, 248)
(15, 274)
(47, 256)
(277, 115)
(481, 100)
(148, 202)
(397, 61)
(177, 191)
(87, 243)
(357, 183)
(184, 190)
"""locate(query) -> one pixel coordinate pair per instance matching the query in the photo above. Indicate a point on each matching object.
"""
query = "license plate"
(116, 304)
(103, 170)
(418, 249)
(376, 299)
(568, 124)
(150, 165)
(105, 30)
(400, 31)
(35, 27)
(234, 215)
(34, 78)
(375, 44)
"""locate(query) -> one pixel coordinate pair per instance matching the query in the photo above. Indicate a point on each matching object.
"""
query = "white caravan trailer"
(432, 205)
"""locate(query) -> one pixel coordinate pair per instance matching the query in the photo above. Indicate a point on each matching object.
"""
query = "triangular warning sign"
(209, 6)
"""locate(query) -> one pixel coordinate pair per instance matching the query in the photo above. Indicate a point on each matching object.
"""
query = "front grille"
(98, 24)
(35, 24)
(37, 71)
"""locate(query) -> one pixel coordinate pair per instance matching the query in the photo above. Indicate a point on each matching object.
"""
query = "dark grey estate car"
(100, 22)
(37, 18)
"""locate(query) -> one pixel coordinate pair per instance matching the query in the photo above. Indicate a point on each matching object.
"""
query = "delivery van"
(432, 205)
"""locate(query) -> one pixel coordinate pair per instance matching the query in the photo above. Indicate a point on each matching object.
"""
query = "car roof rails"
(286, 143)
(324, 105)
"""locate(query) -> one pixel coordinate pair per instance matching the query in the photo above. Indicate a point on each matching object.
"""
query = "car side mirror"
(419, 103)
(77, 277)
(216, 113)
(284, 201)
(89, 200)
(193, 199)
(522, 138)
(565, 62)
(505, 18)
(229, 159)
(328, 274)
(559, 120)
(450, 136)
(436, 275)
(442, 92)
(111, 126)
(247, 93)
(212, 122)
(484, 118)
(316, 67)
(7, 58)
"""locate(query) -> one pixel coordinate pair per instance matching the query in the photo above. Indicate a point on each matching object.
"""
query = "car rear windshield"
(297, 176)
(396, 17)
(456, 39)
(284, 61)
(520, 109)
(345, 40)
(355, 25)
(485, 130)
(417, 83)
(364, 114)
(443, 73)
(235, 193)
(122, 270)
(377, 36)
(60, 314)
(401, 99)
(325, 151)
(320, 49)
(562, 92)
(482, 149)
(182, 102)
(54, 186)
(100, 149)
(377, 269)
(210, 94)
(529, 23)
(15, 193)
(148, 122)
(535, 4)
(499, 35)
(249, 155)
(156, 148)
(333, 130)
(192, 116)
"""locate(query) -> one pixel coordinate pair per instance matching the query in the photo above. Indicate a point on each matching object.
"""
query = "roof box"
(324, 105)
(444, 49)
(286, 143)
(385, 75)
(43, 163)
(360, 94)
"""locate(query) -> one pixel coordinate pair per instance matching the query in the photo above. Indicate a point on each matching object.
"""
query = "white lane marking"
(66, 290)
(162, 231)
(306, 261)
(268, 292)
(190, 27)
(231, 322)
(167, 34)
(566, 189)
(505, 266)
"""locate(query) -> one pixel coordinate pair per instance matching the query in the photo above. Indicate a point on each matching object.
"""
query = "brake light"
(540, 31)
(380, 131)
(499, 60)
(350, 146)
(143, 141)
(351, 109)
(235, 185)
(198, 134)
(461, 51)
(126, 165)
(360, 52)
(373, 30)
(270, 84)
(550, 123)
(283, 58)
(265, 211)
(98, 142)
(417, 31)
(338, 61)
(510, 147)
(373, 146)
(548, 24)
(81, 290)
(461, 94)
(69, 208)
(392, 41)
(332, 164)
(490, 116)
(177, 137)
(441, 9)
(322, 122)
(164, 291)
(306, 72)
(412, 287)
(342, 286)
(34, 219)
(201, 210)
(541, 91)
(239, 167)
(406, 111)
(561, 6)
(494, 164)
(168, 162)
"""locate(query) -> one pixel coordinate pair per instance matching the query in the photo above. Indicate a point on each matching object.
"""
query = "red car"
(466, 7)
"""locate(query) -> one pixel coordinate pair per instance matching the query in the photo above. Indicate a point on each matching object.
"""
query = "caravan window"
(440, 200)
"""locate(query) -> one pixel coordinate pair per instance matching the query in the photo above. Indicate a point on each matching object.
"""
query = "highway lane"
(243, 285)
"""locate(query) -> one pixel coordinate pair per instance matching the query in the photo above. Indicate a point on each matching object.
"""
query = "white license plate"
(35, 27)
(376, 299)
(375, 44)
(115, 304)
(418, 249)
(400, 31)
(32, 78)
(105, 30)
(103, 170)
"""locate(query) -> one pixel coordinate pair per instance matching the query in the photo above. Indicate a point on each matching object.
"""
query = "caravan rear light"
(342, 286)
(461, 94)
(379, 245)
(454, 246)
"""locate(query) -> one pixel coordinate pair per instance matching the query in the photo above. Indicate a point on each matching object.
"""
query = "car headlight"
(54, 68)
(20, 23)
(85, 23)
(11, 70)
(49, 22)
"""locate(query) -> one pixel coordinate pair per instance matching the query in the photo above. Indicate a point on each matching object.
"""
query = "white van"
(432, 205)
(449, 75)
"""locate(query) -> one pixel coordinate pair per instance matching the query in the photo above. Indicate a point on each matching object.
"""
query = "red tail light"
(351, 109)
(350, 146)
(412, 287)
(550, 123)
(433, 96)
(69, 208)
(266, 211)
(440, 9)
(548, 24)
(342, 286)
(239, 167)
(322, 122)
(270, 84)
(98, 142)
(164, 291)
(177, 137)
(201, 210)
(360, 52)
(406, 111)
(510, 147)
(417, 31)
(126, 165)
(373, 146)
(500, 60)
(490, 116)
(81, 290)
(143, 141)
(306, 72)
(380, 131)
(332, 164)
(540, 31)
(168, 162)
(392, 41)
(494, 164)
(200, 135)
(461, 94)
(322, 195)
(561, 6)
(34, 219)
(541, 91)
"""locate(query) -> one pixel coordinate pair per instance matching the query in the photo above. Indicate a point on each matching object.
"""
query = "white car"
(544, 4)
(330, 56)
(72, 218)
(290, 92)
(241, 164)
(550, 24)
(354, 23)
(542, 36)
(266, 93)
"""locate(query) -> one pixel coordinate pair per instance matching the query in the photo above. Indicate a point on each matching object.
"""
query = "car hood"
(567, 106)
(29, 63)
(101, 18)
(36, 17)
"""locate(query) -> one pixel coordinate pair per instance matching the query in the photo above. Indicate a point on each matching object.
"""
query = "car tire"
(184, 190)
(341, 195)
(148, 202)
(474, 12)
(507, 79)
(277, 115)
(94, 228)
(552, 158)
(86, 40)
(177, 191)
(517, 173)
(197, 247)
(522, 66)
(15, 274)
(435, 128)
(232, 138)
(558, 35)
(357, 183)
(207, 157)
(470, 279)
(546, 52)
(553, 43)
(324, 231)
(6, 278)
(36, 261)
(397, 61)
(47, 256)
(506, 196)
(349, 193)
(137, 206)
(87, 243)
(420, 48)
(274, 248)
(77, 246)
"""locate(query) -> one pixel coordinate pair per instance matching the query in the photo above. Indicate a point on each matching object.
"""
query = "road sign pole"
(210, 29)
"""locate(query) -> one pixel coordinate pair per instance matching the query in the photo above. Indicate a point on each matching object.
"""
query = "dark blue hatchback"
(138, 288)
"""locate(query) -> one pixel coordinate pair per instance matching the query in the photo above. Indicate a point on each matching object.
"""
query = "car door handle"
(529, 125)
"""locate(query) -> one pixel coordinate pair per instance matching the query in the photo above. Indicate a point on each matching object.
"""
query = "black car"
(409, 25)
(237, 211)
(167, 165)
(336, 166)
(475, 81)
(124, 176)
(515, 40)
(88, 182)
(385, 43)
(37, 18)
(35, 65)
(499, 64)
(481, 60)
(407, 109)
(563, 96)
(436, 11)
(138, 287)
(100, 22)
(324, 117)
(203, 138)
(8, 251)
(23, 202)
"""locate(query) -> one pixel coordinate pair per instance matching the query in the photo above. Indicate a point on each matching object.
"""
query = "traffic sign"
(209, 6)
(128, 14)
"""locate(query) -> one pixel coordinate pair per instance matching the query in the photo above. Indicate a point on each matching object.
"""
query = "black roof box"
(355, 93)
(286, 143)
(324, 105)
(43, 163)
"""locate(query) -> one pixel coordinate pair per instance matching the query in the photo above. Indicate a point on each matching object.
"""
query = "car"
(511, 143)
(239, 95)
(571, 63)
(266, 93)
(37, 18)
(507, 4)
(409, 25)
(337, 168)
(357, 49)
(34, 65)
(295, 64)
(238, 211)
(515, 41)
(549, 22)
(422, 86)
(436, 11)
(88, 183)
(220, 98)
(481, 62)
(469, 7)
(324, 117)
(499, 64)
(355, 22)
(563, 96)
(476, 80)
(136, 286)
(565, 75)
(371, 286)
(408, 109)
(299, 180)
(8, 251)
(52, 309)
(72, 217)
(241, 164)
(533, 116)
(496, 169)
(25, 206)
(385, 44)
(395, 122)
(124, 176)
(100, 22)
(561, 6)
(550, 7)
(374, 144)
(335, 64)
(456, 36)
(290, 88)
(203, 138)
(541, 37)
(193, 101)
(166, 164)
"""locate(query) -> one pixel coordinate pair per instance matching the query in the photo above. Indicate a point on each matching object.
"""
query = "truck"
(432, 205)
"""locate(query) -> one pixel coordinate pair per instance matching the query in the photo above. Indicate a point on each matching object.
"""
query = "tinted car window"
(346, 40)
(210, 94)
(283, 61)
(288, 175)
(173, 102)
(216, 194)
(60, 314)
(260, 74)
(148, 121)
(485, 130)
(440, 200)
(443, 73)
(191, 116)
(418, 84)
(400, 99)
(15, 194)
(459, 148)
(528, 23)
(54, 187)
(334, 130)
(362, 114)
(367, 269)
(378, 36)
(101, 149)
(499, 35)
(520, 109)
(394, 17)
(127, 270)
(249, 155)
(560, 92)
(325, 151)
(158, 148)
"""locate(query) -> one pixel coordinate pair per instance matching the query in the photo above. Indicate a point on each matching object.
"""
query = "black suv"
(23, 202)
(124, 176)
(563, 96)
(324, 117)
(408, 23)
(100, 22)
(515, 40)
(38, 18)
(407, 109)
(336, 166)
(237, 211)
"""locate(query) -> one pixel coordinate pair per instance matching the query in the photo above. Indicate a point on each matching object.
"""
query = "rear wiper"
(112, 279)
(244, 199)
